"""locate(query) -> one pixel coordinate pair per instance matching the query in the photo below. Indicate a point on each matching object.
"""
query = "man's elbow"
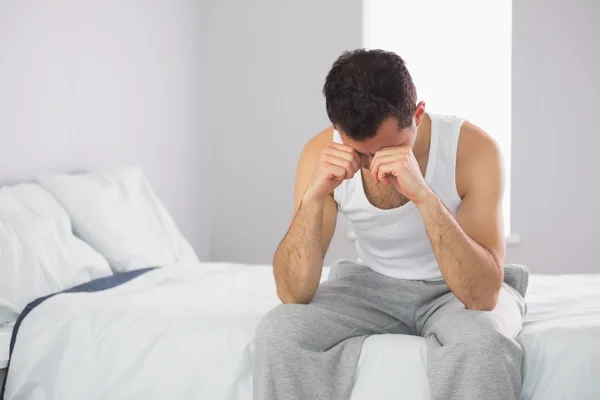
(301, 292)
(486, 297)
(292, 298)
(485, 301)
(297, 289)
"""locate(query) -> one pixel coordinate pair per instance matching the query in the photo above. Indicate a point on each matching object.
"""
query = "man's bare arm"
(470, 249)
(298, 261)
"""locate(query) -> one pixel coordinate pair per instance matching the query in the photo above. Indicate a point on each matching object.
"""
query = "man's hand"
(399, 166)
(337, 163)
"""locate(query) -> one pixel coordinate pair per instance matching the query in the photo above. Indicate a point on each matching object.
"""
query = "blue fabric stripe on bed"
(93, 286)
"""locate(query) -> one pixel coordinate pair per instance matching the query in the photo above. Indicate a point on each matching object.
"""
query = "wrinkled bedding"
(183, 333)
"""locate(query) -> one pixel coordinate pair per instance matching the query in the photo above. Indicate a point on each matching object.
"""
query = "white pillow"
(39, 254)
(117, 212)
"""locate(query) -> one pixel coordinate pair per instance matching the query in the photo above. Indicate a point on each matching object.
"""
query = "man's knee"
(286, 323)
(490, 342)
(480, 333)
(476, 324)
(471, 326)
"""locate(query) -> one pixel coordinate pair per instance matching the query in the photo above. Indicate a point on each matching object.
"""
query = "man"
(423, 193)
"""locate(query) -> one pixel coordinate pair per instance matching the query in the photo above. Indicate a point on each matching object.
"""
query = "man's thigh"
(361, 293)
(451, 321)
(333, 316)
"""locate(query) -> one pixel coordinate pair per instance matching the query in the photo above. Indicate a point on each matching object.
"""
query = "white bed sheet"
(190, 336)
(561, 337)
(5, 335)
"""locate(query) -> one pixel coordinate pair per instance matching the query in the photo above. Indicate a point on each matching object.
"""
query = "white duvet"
(177, 333)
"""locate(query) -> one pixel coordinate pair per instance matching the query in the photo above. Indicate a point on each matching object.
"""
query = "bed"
(154, 322)
(187, 333)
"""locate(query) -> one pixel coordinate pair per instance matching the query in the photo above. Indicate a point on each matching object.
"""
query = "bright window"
(459, 55)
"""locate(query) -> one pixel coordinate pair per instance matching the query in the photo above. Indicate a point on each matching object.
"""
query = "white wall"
(268, 62)
(99, 83)
(556, 140)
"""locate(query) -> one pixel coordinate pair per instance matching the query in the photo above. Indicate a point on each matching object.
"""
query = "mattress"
(188, 334)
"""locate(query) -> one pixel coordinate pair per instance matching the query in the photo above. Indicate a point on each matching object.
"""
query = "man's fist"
(399, 166)
(337, 163)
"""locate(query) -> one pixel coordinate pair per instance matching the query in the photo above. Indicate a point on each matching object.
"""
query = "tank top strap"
(446, 129)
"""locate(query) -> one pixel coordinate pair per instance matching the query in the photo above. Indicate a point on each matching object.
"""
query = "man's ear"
(420, 113)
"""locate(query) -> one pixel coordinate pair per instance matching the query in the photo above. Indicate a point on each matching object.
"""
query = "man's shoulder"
(314, 146)
(477, 154)
(475, 141)
(322, 138)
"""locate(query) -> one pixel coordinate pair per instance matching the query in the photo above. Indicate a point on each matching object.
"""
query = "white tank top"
(394, 242)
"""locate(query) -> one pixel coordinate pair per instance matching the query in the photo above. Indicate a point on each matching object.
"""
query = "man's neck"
(423, 140)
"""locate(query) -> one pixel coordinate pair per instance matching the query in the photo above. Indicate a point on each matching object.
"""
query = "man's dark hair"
(364, 88)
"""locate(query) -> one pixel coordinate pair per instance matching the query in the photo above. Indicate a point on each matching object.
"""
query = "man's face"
(387, 135)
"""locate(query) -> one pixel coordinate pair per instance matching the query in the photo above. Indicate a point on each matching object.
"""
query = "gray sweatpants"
(310, 352)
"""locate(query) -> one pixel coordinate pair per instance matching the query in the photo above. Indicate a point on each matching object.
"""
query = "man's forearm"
(471, 272)
(298, 261)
